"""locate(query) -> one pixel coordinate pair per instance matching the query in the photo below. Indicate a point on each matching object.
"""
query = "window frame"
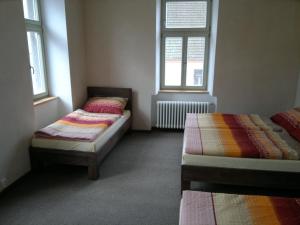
(36, 26)
(184, 33)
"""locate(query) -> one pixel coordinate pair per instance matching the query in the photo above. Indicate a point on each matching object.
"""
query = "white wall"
(65, 57)
(16, 114)
(57, 53)
(46, 113)
(120, 50)
(75, 29)
(157, 47)
(297, 98)
(257, 55)
(256, 51)
(213, 45)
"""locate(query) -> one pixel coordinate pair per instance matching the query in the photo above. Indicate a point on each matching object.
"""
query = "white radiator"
(172, 114)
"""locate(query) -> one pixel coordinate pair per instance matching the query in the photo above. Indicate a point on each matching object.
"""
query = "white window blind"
(186, 14)
(195, 61)
(36, 62)
(173, 61)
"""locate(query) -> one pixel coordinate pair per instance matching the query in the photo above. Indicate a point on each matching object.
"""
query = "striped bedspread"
(290, 121)
(237, 136)
(203, 208)
(78, 125)
(225, 121)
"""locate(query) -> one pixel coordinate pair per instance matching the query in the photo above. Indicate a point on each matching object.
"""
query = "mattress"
(249, 163)
(83, 146)
(204, 208)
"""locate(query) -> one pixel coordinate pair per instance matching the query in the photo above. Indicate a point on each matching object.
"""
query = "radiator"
(172, 114)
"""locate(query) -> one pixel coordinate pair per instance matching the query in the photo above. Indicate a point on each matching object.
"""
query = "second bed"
(79, 152)
(249, 171)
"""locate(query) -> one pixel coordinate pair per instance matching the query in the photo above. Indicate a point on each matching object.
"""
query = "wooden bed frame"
(40, 156)
(241, 177)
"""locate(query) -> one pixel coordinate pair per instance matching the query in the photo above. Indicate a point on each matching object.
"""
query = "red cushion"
(290, 121)
(113, 105)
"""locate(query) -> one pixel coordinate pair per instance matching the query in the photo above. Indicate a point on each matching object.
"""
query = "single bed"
(205, 208)
(256, 172)
(82, 153)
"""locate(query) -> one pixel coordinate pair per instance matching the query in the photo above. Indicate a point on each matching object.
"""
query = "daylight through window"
(184, 45)
(35, 47)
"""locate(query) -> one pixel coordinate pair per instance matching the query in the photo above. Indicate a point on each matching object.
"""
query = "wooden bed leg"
(36, 164)
(93, 172)
(185, 185)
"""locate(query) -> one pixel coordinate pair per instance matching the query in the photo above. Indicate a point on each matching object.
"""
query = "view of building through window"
(185, 32)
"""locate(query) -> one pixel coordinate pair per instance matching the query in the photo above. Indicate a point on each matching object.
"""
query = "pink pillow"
(113, 105)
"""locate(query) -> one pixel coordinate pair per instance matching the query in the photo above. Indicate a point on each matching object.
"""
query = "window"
(185, 29)
(35, 46)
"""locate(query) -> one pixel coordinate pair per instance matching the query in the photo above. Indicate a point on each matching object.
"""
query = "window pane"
(36, 62)
(195, 61)
(31, 9)
(186, 14)
(173, 59)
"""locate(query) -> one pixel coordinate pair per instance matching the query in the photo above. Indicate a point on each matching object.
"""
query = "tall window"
(35, 46)
(185, 31)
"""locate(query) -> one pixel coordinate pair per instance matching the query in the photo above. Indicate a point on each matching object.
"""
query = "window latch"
(32, 69)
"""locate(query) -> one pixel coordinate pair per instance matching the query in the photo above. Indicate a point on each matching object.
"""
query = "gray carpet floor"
(139, 184)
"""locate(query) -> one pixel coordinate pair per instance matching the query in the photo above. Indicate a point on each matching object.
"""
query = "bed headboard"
(111, 92)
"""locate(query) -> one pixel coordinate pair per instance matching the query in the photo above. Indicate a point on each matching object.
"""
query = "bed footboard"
(241, 177)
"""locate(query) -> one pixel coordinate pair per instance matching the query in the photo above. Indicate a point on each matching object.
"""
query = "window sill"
(44, 100)
(184, 91)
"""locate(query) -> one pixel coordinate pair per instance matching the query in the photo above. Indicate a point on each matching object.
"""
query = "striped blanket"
(203, 208)
(78, 125)
(246, 141)
(290, 121)
(225, 121)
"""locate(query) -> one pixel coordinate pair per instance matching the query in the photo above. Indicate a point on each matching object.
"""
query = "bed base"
(39, 157)
(241, 177)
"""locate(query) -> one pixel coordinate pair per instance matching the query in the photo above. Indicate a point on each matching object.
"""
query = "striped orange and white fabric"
(236, 143)
(78, 125)
(204, 208)
(290, 121)
(225, 121)
(245, 136)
